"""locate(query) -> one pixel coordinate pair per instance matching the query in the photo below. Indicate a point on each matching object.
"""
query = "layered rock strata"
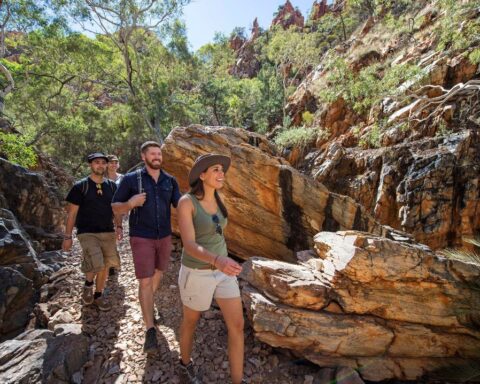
(389, 310)
(274, 210)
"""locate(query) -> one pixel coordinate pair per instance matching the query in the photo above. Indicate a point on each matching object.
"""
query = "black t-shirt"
(95, 213)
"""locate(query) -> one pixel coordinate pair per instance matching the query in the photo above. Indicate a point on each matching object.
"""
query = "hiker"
(112, 168)
(206, 271)
(89, 209)
(149, 192)
(112, 174)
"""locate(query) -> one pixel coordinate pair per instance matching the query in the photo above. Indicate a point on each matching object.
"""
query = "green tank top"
(205, 235)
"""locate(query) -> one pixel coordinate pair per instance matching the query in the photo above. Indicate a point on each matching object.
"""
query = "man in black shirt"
(89, 209)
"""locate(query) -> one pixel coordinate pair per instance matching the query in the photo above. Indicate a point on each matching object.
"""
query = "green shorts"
(99, 251)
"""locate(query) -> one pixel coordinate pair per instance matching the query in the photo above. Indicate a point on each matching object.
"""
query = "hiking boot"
(188, 373)
(87, 295)
(101, 304)
(150, 345)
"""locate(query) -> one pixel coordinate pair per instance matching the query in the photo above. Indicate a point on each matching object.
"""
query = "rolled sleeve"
(123, 192)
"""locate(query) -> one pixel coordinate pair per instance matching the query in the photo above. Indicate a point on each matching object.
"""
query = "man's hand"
(67, 244)
(137, 200)
(228, 266)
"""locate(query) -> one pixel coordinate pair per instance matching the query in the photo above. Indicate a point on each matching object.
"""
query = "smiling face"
(213, 177)
(153, 157)
(113, 165)
(98, 166)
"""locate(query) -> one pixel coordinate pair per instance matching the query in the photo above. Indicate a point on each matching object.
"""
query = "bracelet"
(215, 261)
(67, 237)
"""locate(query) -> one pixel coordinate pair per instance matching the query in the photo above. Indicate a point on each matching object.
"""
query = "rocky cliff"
(411, 158)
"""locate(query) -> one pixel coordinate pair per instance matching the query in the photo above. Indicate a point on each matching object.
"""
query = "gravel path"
(117, 336)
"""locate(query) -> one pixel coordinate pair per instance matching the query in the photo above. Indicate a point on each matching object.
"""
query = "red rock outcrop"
(319, 9)
(287, 16)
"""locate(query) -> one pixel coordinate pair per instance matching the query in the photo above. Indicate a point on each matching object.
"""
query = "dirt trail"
(117, 336)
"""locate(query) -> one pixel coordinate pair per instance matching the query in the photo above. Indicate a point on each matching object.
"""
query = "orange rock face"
(274, 210)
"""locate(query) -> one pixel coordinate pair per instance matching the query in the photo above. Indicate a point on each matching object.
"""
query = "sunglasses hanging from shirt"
(99, 189)
(218, 228)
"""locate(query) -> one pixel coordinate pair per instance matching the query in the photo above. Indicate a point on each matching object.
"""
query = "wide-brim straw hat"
(202, 163)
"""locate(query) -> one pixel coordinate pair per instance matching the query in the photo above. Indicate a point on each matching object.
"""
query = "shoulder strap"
(139, 180)
(84, 186)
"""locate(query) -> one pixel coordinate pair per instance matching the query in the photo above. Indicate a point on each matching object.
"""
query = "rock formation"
(287, 16)
(274, 210)
(35, 204)
(247, 63)
(319, 9)
(390, 310)
(44, 356)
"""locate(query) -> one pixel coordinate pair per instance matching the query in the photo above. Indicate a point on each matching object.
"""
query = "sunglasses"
(218, 228)
(99, 189)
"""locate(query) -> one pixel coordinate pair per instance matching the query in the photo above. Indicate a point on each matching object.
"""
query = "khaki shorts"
(199, 286)
(99, 251)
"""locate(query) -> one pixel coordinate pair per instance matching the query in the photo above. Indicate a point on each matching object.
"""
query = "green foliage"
(372, 138)
(307, 118)
(296, 137)
(474, 56)
(459, 28)
(16, 150)
(368, 86)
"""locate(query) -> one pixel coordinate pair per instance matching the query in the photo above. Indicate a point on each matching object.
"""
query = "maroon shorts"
(150, 254)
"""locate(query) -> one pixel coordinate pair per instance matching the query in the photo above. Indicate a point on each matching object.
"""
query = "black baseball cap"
(97, 155)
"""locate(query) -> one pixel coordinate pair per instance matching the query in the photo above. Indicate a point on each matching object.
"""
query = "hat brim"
(99, 157)
(203, 164)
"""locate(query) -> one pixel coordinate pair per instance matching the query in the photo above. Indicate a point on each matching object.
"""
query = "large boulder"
(274, 210)
(41, 356)
(388, 309)
(36, 204)
(21, 276)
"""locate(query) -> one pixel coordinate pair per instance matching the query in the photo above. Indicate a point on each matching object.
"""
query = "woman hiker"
(206, 270)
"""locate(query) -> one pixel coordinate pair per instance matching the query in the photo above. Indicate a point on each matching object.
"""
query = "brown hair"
(199, 192)
(149, 144)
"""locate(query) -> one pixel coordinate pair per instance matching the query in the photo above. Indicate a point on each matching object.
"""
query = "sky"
(205, 17)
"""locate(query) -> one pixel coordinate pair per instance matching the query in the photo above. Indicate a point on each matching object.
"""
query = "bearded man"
(149, 193)
(89, 210)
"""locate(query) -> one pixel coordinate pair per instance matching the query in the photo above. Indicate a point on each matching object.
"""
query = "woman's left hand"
(228, 266)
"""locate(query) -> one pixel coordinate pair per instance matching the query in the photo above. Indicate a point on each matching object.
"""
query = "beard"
(98, 172)
(157, 164)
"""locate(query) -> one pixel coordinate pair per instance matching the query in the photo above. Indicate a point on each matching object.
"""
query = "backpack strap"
(139, 180)
(84, 186)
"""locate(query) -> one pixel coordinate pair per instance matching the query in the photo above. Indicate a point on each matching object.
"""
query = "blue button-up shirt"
(152, 220)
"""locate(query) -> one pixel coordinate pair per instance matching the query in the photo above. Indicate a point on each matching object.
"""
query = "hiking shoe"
(101, 304)
(87, 295)
(188, 373)
(150, 345)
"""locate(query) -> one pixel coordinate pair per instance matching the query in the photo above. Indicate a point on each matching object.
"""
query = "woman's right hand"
(228, 266)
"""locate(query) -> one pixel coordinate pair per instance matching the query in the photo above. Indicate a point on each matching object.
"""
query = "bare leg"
(157, 278)
(100, 280)
(233, 314)
(145, 294)
(187, 330)
(89, 276)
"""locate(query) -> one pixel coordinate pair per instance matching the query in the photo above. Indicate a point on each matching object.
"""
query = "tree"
(130, 25)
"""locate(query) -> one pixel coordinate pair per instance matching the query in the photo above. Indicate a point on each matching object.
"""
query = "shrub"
(15, 149)
(296, 137)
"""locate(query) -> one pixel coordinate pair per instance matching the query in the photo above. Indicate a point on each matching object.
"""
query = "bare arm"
(185, 211)
(135, 201)
(72, 211)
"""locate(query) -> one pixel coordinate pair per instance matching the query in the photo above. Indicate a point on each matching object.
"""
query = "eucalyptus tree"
(131, 26)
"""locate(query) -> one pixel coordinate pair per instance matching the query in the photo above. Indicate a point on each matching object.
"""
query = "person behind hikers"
(89, 210)
(149, 193)
(112, 174)
(112, 168)
(206, 270)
